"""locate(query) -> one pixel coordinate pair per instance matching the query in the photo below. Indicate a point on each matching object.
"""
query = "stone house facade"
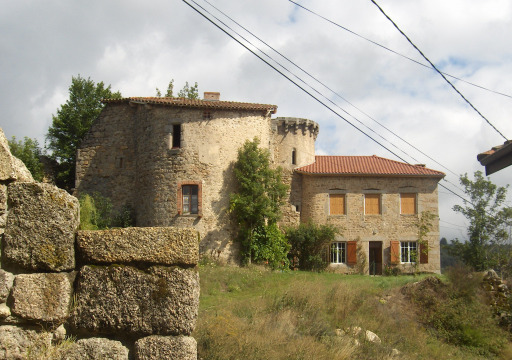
(172, 160)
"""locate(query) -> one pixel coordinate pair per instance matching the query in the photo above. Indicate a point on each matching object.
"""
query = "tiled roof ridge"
(194, 103)
(365, 165)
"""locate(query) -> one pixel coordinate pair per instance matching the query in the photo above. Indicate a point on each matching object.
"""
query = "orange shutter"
(395, 252)
(423, 253)
(351, 252)
(336, 204)
(372, 204)
(408, 204)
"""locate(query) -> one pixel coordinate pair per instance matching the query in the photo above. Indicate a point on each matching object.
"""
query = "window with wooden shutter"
(408, 204)
(394, 251)
(372, 204)
(336, 204)
(351, 252)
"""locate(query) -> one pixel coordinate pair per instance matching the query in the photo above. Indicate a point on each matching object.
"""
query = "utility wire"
(303, 89)
(289, 79)
(396, 52)
(328, 88)
(437, 70)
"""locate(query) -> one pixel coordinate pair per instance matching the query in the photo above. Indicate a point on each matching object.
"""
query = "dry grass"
(252, 313)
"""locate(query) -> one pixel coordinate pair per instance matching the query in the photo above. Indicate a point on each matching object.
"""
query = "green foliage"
(457, 314)
(96, 213)
(309, 244)
(72, 122)
(489, 223)
(30, 153)
(270, 246)
(260, 192)
(188, 92)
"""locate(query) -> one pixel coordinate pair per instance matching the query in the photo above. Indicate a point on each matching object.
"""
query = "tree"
(490, 221)
(30, 153)
(188, 92)
(72, 122)
(257, 203)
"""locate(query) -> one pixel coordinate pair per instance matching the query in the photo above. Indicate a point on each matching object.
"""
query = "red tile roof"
(365, 165)
(196, 103)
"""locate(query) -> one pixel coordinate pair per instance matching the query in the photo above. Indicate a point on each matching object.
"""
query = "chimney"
(211, 96)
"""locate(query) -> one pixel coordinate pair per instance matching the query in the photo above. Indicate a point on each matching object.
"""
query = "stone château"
(171, 160)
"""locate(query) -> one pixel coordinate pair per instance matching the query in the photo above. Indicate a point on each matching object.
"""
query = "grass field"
(253, 313)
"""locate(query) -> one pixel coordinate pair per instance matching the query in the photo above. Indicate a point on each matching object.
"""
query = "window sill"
(174, 151)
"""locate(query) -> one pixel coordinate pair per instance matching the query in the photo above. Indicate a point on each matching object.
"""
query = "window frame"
(341, 253)
(406, 252)
(181, 198)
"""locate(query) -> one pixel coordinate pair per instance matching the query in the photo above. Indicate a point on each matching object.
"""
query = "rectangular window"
(339, 253)
(408, 251)
(336, 204)
(408, 204)
(176, 136)
(372, 204)
(190, 199)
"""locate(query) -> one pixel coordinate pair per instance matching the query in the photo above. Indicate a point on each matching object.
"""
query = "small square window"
(207, 115)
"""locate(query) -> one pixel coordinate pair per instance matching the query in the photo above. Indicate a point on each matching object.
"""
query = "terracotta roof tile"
(365, 165)
(196, 103)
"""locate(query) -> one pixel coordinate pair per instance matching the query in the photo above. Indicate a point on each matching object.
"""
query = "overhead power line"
(396, 52)
(296, 84)
(326, 87)
(437, 70)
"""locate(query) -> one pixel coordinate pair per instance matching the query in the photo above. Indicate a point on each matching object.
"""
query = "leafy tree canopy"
(73, 120)
(257, 202)
(188, 92)
(489, 222)
(30, 153)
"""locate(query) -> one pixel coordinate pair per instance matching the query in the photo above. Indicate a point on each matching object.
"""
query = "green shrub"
(309, 244)
(96, 213)
(269, 245)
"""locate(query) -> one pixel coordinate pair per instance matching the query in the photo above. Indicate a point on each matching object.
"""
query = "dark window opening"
(207, 115)
(190, 199)
(294, 157)
(176, 136)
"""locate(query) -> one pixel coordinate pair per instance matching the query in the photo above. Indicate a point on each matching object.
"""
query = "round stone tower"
(294, 146)
(294, 141)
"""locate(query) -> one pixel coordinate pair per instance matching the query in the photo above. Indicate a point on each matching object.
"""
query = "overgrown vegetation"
(489, 223)
(253, 313)
(309, 245)
(457, 314)
(256, 205)
(96, 213)
(187, 92)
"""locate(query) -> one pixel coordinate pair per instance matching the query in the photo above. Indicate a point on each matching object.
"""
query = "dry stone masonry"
(121, 294)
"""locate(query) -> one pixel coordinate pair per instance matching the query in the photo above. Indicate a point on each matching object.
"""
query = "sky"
(138, 46)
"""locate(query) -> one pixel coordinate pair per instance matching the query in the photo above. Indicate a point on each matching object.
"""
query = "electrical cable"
(437, 70)
(396, 52)
(328, 88)
(303, 89)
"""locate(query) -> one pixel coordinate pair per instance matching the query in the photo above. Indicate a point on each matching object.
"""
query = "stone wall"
(389, 225)
(122, 294)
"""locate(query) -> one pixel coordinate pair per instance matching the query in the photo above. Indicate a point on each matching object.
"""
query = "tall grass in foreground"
(252, 313)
